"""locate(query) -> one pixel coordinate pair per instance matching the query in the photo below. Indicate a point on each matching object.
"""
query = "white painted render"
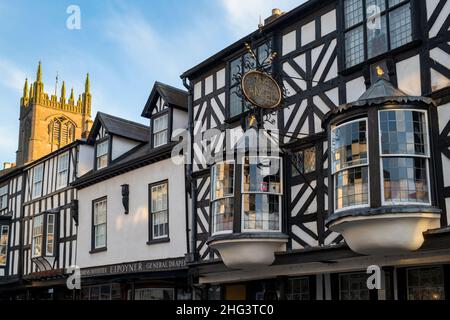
(121, 146)
(408, 76)
(127, 235)
(85, 160)
(328, 23)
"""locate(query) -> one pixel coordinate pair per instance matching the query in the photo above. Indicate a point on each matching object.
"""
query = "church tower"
(49, 123)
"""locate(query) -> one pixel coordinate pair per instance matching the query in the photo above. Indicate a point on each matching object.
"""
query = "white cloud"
(243, 15)
(12, 77)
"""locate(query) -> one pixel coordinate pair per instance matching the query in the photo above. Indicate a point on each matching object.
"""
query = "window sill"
(93, 251)
(158, 241)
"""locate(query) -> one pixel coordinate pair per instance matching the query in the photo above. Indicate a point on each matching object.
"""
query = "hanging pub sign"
(261, 90)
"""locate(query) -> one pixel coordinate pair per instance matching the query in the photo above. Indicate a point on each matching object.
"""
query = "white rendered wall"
(127, 235)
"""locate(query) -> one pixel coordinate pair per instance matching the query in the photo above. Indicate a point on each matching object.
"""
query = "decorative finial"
(71, 95)
(87, 85)
(39, 73)
(25, 88)
(63, 90)
(260, 24)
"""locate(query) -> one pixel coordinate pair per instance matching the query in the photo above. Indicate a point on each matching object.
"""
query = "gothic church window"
(61, 132)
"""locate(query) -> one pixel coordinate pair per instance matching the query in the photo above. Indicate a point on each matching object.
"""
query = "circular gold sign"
(261, 89)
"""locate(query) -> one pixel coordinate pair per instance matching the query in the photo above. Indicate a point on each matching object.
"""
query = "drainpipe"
(193, 231)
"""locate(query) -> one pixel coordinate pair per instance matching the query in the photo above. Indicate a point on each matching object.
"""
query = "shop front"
(145, 280)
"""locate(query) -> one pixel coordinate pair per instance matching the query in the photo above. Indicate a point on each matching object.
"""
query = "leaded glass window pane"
(352, 188)
(377, 42)
(222, 192)
(353, 12)
(262, 175)
(353, 287)
(298, 289)
(426, 284)
(261, 212)
(381, 4)
(349, 145)
(400, 26)
(354, 46)
(403, 132)
(222, 180)
(305, 161)
(223, 212)
(405, 180)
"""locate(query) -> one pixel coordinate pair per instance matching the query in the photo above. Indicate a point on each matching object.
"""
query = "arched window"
(61, 132)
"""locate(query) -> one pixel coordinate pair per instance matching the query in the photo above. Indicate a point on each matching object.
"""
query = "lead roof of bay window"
(381, 92)
(120, 127)
(174, 97)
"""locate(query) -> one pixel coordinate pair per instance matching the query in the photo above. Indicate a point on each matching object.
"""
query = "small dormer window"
(160, 130)
(102, 154)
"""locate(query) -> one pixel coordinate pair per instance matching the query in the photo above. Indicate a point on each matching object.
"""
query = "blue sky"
(125, 46)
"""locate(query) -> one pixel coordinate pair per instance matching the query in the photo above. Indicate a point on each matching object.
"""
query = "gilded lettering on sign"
(261, 89)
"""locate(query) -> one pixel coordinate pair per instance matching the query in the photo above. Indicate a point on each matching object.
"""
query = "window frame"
(45, 235)
(386, 13)
(3, 202)
(362, 274)
(421, 268)
(294, 171)
(333, 174)
(41, 235)
(427, 158)
(6, 245)
(35, 195)
(94, 248)
(280, 195)
(152, 238)
(54, 233)
(212, 201)
(165, 113)
(105, 140)
(59, 171)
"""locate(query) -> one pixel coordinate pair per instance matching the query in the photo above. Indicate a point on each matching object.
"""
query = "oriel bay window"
(261, 195)
(349, 164)
(246, 208)
(381, 164)
(44, 235)
(373, 27)
(159, 223)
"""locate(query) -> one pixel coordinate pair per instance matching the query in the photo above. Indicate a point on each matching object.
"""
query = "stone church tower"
(49, 123)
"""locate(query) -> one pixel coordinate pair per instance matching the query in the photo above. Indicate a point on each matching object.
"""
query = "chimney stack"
(8, 165)
(276, 13)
